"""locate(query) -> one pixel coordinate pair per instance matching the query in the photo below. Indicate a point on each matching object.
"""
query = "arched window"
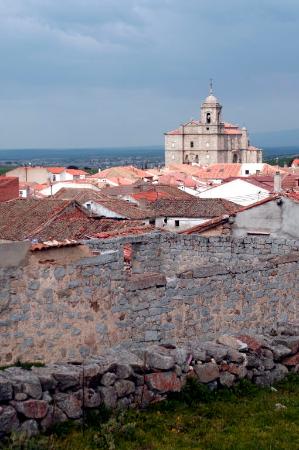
(196, 158)
(191, 144)
(235, 158)
(186, 159)
(208, 117)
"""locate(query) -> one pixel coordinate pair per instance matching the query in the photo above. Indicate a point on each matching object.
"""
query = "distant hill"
(282, 138)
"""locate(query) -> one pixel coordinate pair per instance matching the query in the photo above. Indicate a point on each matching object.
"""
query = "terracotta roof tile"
(193, 208)
(56, 170)
(76, 172)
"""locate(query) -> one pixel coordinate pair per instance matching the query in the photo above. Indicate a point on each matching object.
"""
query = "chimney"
(277, 183)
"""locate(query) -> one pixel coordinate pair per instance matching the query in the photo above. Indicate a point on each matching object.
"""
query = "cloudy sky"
(92, 73)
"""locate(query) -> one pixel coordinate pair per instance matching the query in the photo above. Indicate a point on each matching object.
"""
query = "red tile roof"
(56, 170)
(150, 196)
(76, 172)
(219, 171)
(193, 208)
(125, 209)
(20, 218)
(81, 195)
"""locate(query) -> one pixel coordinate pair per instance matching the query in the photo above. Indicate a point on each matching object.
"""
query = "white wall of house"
(178, 223)
(48, 191)
(251, 169)
(102, 211)
(237, 191)
(30, 174)
(277, 218)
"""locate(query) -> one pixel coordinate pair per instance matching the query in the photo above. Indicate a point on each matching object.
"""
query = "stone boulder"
(109, 396)
(159, 361)
(124, 387)
(232, 342)
(92, 399)
(68, 376)
(6, 390)
(291, 361)
(216, 351)
(32, 409)
(24, 381)
(46, 378)
(108, 379)
(227, 379)
(291, 342)
(70, 404)
(29, 428)
(9, 421)
(53, 417)
(163, 382)
(207, 372)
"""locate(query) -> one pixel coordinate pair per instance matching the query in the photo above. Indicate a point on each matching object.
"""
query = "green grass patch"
(243, 418)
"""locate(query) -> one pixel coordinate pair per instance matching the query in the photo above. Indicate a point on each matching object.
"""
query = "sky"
(98, 73)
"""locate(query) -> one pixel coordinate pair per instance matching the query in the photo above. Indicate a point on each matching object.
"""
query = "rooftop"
(194, 207)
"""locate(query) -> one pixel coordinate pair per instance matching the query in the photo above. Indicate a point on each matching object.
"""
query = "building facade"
(210, 140)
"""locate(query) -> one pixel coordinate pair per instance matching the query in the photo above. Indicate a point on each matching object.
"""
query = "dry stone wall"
(34, 400)
(71, 303)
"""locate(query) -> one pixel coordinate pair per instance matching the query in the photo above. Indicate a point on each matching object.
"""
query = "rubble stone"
(207, 372)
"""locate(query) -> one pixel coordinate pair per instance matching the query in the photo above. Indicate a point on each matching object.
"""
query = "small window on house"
(246, 172)
(88, 205)
(54, 177)
(176, 223)
(152, 221)
(191, 144)
(165, 220)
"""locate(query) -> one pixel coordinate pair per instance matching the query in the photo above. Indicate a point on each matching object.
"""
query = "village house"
(276, 216)
(44, 220)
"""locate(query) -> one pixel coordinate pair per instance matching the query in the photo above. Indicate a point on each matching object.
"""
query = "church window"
(208, 117)
(191, 144)
(235, 159)
(196, 158)
(208, 128)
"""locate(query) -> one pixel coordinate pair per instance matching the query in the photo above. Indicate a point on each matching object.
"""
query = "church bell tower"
(210, 116)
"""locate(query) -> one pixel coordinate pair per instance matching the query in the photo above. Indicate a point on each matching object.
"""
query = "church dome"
(211, 99)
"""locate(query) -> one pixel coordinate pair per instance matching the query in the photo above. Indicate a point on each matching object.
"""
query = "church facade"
(210, 140)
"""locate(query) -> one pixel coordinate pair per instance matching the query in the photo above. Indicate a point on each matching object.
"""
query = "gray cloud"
(70, 69)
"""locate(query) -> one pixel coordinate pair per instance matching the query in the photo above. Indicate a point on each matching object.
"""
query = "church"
(210, 140)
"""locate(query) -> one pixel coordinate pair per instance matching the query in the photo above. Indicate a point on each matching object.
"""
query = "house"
(178, 215)
(63, 174)
(43, 220)
(9, 188)
(119, 209)
(276, 216)
(52, 189)
(30, 174)
(238, 190)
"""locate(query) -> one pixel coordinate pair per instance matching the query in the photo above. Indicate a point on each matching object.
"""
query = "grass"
(244, 418)
(23, 365)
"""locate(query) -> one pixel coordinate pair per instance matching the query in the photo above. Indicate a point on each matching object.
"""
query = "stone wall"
(70, 303)
(34, 400)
